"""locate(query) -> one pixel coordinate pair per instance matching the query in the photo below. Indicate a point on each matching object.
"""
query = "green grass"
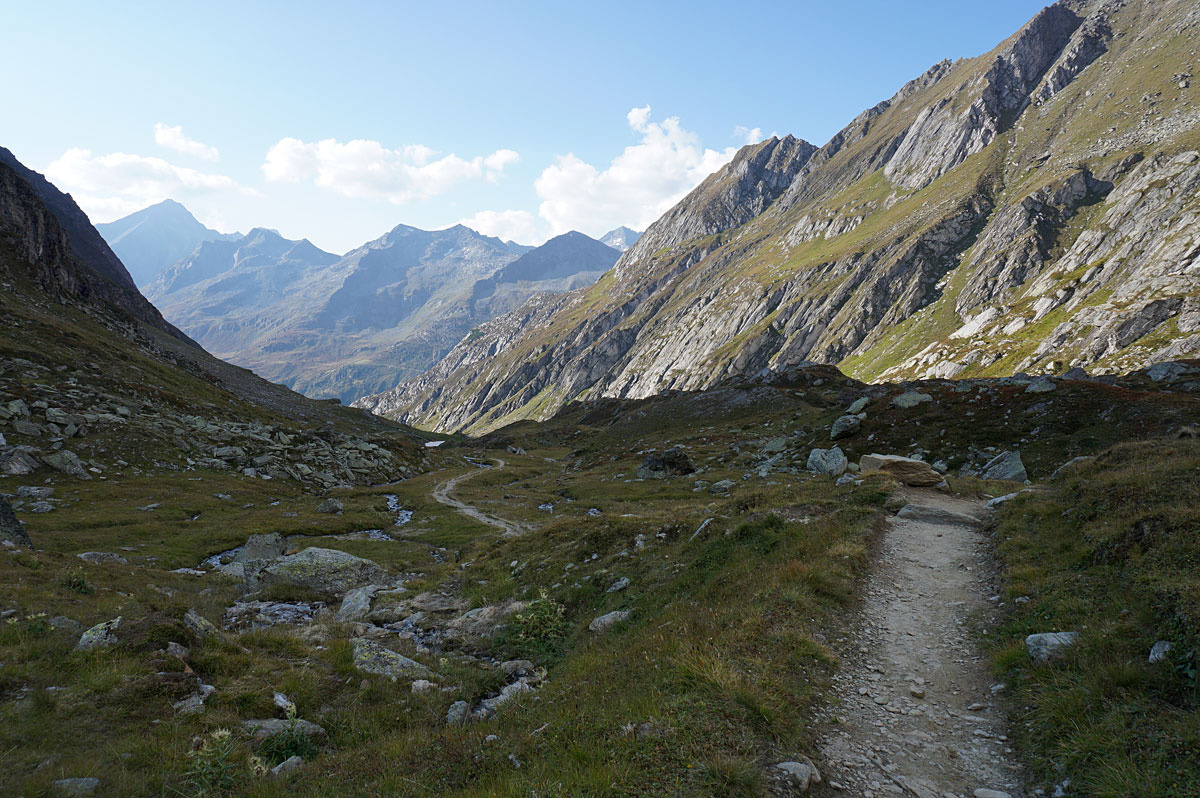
(1111, 551)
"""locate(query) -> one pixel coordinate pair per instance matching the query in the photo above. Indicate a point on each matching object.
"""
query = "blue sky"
(335, 122)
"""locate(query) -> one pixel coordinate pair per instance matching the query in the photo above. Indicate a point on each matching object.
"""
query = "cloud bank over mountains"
(641, 182)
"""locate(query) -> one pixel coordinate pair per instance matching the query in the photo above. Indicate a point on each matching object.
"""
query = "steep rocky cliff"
(1032, 209)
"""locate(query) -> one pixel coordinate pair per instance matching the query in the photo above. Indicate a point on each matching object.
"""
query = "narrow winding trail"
(442, 494)
(917, 715)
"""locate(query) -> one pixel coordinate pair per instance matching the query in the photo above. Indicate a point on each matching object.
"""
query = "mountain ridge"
(829, 259)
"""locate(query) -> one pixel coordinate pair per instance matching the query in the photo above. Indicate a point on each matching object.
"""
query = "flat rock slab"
(935, 515)
(906, 470)
(370, 657)
(268, 727)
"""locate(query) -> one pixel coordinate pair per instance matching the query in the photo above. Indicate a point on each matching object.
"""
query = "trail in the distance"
(917, 715)
(442, 494)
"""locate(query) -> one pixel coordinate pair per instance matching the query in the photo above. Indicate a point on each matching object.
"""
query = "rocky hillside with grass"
(342, 327)
(1031, 210)
(94, 384)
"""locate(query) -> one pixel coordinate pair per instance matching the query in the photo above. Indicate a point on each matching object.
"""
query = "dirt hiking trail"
(442, 494)
(917, 713)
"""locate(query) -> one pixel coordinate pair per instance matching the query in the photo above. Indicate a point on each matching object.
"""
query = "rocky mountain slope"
(155, 237)
(344, 327)
(1029, 210)
(94, 382)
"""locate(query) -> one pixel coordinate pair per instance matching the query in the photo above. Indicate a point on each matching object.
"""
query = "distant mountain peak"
(620, 238)
(150, 240)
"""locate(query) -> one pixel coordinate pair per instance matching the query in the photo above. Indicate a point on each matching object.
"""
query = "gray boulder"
(910, 399)
(370, 657)
(69, 788)
(905, 470)
(326, 571)
(457, 714)
(1160, 650)
(1041, 385)
(607, 621)
(97, 557)
(827, 461)
(18, 464)
(11, 529)
(844, 427)
(722, 487)
(798, 776)
(330, 506)
(859, 405)
(99, 636)
(1046, 646)
(269, 727)
(200, 626)
(1006, 465)
(67, 462)
(356, 603)
(262, 547)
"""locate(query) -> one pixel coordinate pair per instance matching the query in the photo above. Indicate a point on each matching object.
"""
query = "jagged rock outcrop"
(1020, 211)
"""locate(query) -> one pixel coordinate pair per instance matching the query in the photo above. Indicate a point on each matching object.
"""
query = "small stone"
(859, 405)
(99, 636)
(618, 585)
(200, 626)
(423, 686)
(985, 793)
(722, 487)
(1046, 646)
(916, 692)
(330, 506)
(457, 714)
(268, 727)
(607, 621)
(1006, 465)
(287, 765)
(76, 786)
(96, 557)
(799, 775)
(176, 650)
(1159, 651)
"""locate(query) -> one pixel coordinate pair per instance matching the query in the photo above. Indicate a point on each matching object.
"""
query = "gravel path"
(442, 494)
(917, 713)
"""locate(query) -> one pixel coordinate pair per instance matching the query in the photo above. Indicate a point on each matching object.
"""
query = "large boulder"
(328, 572)
(671, 463)
(1006, 465)
(18, 464)
(905, 470)
(11, 528)
(828, 461)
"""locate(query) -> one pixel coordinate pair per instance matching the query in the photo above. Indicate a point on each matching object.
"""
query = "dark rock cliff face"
(1020, 211)
(59, 251)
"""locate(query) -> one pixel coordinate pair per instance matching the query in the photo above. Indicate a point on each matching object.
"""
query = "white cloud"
(173, 139)
(362, 168)
(113, 185)
(637, 187)
(519, 226)
(751, 135)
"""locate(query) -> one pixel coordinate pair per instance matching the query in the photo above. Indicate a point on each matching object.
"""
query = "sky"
(336, 122)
